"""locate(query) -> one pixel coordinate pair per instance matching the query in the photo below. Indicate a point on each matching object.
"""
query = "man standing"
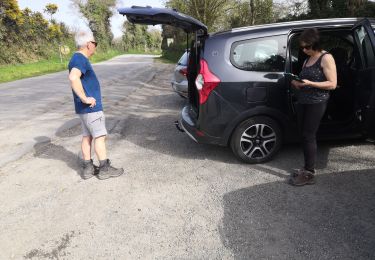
(88, 105)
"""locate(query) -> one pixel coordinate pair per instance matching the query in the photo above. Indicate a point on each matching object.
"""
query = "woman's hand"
(299, 84)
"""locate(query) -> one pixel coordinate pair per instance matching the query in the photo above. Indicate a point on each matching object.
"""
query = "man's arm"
(75, 80)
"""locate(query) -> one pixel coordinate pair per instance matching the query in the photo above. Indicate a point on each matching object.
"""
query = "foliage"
(219, 15)
(26, 36)
(209, 12)
(245, 13)
(340, 8)
(53, 64)
(137, 37)
(10, 12)
(98, 14)
(206, 11)
(51, 9)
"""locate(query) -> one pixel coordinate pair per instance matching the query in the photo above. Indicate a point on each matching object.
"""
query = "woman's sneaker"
(302, 177)
(108, 171)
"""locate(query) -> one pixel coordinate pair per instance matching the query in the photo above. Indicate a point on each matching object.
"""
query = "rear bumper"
(189, 124)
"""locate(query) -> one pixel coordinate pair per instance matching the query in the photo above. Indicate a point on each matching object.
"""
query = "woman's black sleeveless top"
(311, 95)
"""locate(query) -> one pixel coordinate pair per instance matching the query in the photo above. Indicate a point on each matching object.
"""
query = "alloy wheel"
(258, 141)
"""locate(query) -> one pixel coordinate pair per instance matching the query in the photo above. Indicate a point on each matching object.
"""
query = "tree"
(340, 8)
(354, 5)
(290, 10)
(98, 14)
(155, 40)
(137, 37)
(26, 35)
(206, 11)
(10, 13)
(238, 16)
(262, 11)
(51, 9)
(319, 8)
(250, 12)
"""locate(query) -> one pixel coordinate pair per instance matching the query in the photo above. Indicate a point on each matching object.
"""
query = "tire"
(256, 140)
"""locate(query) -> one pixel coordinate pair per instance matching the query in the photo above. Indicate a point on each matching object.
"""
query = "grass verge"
(20, 71)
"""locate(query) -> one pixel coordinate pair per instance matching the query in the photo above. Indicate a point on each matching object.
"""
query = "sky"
(71, 17)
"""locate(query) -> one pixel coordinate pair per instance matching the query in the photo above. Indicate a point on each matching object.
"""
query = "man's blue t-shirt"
(90, 84)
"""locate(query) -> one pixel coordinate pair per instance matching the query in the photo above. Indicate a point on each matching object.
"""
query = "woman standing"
(319, 76)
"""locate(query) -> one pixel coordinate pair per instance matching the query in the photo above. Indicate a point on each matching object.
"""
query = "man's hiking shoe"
(88, 170)
(302, 177)
(107, 171)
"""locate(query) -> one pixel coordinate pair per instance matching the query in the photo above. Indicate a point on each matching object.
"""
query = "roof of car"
(285, 27)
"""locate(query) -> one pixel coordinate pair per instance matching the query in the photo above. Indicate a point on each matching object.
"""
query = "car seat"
(341, 103)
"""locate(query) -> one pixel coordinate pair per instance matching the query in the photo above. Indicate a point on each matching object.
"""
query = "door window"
(261, 54)
(339, 43)
(365, 47)
(184, 59)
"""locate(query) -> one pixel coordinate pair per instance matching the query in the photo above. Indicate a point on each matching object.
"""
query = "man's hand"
(74, 77)
(90, 101)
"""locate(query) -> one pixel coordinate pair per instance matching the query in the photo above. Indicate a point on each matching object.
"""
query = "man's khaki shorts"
(93, 124)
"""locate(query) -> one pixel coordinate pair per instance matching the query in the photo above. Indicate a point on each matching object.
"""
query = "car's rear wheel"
(256, 140)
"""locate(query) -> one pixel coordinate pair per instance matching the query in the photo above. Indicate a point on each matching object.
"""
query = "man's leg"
(100, 148)
(86, 147)
(106, 170)
(88, 168)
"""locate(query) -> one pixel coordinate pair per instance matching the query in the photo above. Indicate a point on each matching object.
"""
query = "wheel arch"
(280, 118)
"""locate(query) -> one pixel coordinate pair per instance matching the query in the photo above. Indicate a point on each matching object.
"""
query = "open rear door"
(364, 39)
(152, 16)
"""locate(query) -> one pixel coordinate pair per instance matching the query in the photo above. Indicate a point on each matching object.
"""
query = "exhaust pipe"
(179, 128)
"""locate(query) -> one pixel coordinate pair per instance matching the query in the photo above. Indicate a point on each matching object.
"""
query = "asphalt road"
(178, 199)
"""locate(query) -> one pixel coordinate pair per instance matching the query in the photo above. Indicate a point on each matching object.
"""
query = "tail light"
(183, 71)
(205, 82)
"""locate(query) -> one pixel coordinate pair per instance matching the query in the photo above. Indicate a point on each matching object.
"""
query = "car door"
(152, 16)
(364, 39)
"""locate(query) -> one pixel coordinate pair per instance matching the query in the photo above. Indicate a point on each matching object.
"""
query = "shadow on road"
(152, 127)
(70, 128)
(331, 220)
(160, 135)
(45, 149)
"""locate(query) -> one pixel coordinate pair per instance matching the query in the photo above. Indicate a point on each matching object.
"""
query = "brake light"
(205, 82)
(183, 71)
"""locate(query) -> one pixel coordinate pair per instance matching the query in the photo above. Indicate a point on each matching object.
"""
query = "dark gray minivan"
(238, 94)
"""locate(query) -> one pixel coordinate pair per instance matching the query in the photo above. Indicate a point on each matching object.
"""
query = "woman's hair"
(311, 37)
(82, 38)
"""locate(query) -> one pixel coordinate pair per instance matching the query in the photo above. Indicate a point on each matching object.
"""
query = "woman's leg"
(312, 116)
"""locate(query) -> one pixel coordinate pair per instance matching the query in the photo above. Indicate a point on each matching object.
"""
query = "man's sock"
(86, 162)
(103, 162)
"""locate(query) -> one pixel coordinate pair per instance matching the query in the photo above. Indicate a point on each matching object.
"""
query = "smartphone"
(293, 77)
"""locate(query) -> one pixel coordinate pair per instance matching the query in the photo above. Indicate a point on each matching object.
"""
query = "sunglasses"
(307, 47)
(95, 43)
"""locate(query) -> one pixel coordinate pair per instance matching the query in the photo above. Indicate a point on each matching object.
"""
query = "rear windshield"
(184, 59)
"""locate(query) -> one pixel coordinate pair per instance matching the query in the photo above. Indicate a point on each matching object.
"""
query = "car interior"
(342, 103)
